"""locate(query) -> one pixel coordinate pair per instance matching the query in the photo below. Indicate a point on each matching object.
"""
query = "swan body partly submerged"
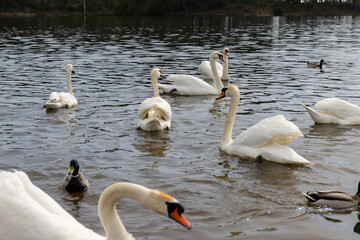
(154, 113)
(62, 99)
(334, 110)
(222, 71)
(267, 139)
(27, 212)
(189, 85)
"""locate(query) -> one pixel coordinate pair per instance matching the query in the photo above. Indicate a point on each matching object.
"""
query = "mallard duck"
(75, 181)
(316, 64)
(334, 198)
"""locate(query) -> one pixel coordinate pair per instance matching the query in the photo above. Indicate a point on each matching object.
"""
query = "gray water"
(225, 197)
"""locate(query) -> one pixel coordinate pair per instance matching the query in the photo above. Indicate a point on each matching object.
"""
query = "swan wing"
(158, 103)
(205, 69)
(342, 110)
(188, 85)
(272, 130)
(29, 213)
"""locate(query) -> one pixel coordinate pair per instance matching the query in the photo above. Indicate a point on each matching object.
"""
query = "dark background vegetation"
(181, 7)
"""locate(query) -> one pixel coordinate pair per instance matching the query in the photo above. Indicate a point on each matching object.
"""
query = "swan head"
(229, 91)
(156, 72)
(226, 51)
(167, 205)
(217, 55)
(70, 69)
(74, 168)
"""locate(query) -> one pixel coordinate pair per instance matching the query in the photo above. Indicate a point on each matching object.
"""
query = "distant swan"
(267, 139)
(333, 198)
(335, 111)
(189, 85)
(154, 113)
(222, 71)
(29, 213)
(75, 181)
(62, 99)
(316, 64)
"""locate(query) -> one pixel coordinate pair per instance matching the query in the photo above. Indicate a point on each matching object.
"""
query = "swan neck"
(225, 74)
(154, 81)
(217, 82)
(68, 77)
(229, 124)
(110, 220)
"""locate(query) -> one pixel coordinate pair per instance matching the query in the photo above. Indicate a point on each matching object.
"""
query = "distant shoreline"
(229, 9)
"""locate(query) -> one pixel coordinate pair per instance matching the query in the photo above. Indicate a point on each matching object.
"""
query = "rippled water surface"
(225, 197)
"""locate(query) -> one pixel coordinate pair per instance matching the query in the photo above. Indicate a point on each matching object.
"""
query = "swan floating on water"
(62, 99)
(154, 113)
(189, 85)
(222, 71)
(335, 111)
(267, 139)
(27, 212)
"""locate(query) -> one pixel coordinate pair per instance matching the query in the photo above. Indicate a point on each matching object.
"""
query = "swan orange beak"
(180, 219)
(162, 75)
(221, 95)
(227, 53)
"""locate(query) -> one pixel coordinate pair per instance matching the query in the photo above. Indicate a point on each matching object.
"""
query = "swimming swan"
(62, 99)
(154, 113)
(75, 181)
(267, 139)
(222, 71)
(333, 198)
(335, 111)
(189, 85)
(29, 213)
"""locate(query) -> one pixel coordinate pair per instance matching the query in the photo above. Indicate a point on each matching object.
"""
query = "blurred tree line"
(154, 7)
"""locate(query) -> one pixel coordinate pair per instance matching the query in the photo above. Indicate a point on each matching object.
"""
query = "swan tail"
(152, 119)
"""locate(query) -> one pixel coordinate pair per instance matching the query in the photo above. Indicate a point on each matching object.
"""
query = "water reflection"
(154, 143)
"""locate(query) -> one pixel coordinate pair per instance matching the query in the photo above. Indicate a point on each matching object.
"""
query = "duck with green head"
(316, 64)
(75, 181)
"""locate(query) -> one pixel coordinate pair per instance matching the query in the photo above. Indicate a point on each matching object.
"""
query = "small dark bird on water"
(75, 181)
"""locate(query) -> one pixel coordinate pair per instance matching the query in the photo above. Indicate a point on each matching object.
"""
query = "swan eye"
(175, 206)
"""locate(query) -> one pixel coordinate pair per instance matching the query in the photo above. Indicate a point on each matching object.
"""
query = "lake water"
(225, 197)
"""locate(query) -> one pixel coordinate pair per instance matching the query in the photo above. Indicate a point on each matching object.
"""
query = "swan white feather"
(29, 213)
(335, 111)
(62, 99)
(268, 138)
(222, 70)
(189, 85)
(154, 113)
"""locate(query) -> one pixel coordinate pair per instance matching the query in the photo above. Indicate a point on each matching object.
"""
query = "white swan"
(27, 212)
(335, 111)
(189, 85)
(62, 99)
(267, 139)
(154, 113)
(222, 71)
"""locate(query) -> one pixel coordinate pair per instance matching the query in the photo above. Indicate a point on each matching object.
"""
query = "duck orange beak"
(180, 219)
